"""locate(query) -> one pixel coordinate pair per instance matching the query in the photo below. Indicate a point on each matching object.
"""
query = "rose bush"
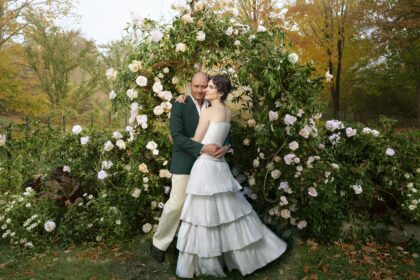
(303, 174)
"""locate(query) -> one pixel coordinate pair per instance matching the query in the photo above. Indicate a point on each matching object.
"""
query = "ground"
(306, 260)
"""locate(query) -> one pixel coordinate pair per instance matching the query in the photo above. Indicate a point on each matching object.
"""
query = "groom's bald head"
(198, 86)
(200, 75)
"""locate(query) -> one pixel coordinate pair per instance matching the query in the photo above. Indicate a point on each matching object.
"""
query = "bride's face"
(211, 92)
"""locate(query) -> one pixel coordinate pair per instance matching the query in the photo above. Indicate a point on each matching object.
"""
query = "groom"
(183, 123)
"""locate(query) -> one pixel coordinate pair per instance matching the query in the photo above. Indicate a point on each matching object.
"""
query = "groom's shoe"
(156, 253)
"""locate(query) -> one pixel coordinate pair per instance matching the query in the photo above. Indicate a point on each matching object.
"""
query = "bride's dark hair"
(223, 85)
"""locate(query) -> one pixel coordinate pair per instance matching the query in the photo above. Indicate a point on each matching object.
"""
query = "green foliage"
(304, 175)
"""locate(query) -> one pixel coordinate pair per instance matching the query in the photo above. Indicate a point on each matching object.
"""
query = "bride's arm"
(202, 127)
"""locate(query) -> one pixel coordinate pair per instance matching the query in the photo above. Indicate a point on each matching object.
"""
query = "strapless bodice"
(216, 133)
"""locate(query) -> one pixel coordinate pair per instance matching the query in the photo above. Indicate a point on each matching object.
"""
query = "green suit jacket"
(182, 125)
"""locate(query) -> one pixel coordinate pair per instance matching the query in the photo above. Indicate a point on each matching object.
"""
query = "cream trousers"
(170, 218)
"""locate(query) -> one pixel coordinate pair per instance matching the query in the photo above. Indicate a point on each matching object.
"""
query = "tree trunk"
(418, 101)
(2, 20)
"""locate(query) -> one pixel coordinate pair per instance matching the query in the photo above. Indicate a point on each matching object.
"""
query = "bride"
(219, 227)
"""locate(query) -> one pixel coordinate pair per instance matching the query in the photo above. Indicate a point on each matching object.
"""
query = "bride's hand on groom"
(181, 98)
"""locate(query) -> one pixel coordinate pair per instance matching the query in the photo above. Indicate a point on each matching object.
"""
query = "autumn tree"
(330, 24)
(65, 65)
(396, 28)
(14, 15)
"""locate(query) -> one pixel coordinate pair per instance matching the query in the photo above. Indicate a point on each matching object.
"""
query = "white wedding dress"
(219, 227)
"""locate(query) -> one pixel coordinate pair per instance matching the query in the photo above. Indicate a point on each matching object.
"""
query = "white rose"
(285, 213)
(151, 145)
(142, 119)
(156, 36)
(166, 70)
(141, 81)
(199, 5)
(107, 164)
(143, 168)
(237, 43)
(235, 12)
(302, 224)
(357, 189)
(117, 135)
(66, 168)
(102, 174)
(229, 31)
(350, 132)
(111, 74)
(335, 166)
(166, 106)
(312, 192)
(147, 228)
(375, 133)
(112, 95)
(305, 132)
(275, 174)
(293, 58)
(3, 140)
(133, 67)
(288, 159)
(180, 47)
(157, 87)
(84, 140)
(136, 193)
(252, 122)
(261, 28)
(289, 119)
(366, 130)
(332, 125)
(328, 76)
(293, 145)
(251, 181)
(76, 129)
(273, 116)
(108, 146)
(246, 142)
(132, 93)
(300, 113)
(49, 226)
(390, 152)
(158, 110)
(256, 162)
(120, 144)
(187, 18)
(164, 173)
(412, 207)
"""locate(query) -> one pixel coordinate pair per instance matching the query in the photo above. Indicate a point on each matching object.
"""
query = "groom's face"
(198, 87)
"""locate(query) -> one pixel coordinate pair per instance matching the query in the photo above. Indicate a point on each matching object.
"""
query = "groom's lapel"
(192, 109)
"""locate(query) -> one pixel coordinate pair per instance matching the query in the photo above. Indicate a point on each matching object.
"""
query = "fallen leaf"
(312, 244)
(324, 268)
(306, 269)
(314, 276)
(415, 274)
(67, 251)
(2, 265)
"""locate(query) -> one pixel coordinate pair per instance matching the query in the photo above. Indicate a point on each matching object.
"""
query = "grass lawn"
(304, 260)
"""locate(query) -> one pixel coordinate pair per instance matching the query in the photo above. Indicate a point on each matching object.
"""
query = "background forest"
(371, 48)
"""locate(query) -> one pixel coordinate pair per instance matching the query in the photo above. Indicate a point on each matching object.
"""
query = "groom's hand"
(210, 149)
(221, 152)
